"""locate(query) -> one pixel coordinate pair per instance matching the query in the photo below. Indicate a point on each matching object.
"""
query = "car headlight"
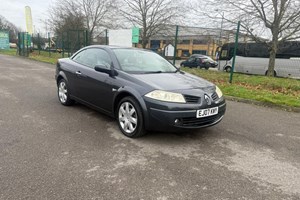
(219, 92)
(166, 96)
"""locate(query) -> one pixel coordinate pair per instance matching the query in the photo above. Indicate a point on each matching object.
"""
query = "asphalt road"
(48, 151)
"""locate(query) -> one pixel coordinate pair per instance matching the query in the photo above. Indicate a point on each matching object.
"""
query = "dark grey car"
(139, 88)
(199, 61)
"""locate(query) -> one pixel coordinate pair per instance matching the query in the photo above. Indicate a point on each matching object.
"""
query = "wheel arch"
(61, 75)
(129, 92)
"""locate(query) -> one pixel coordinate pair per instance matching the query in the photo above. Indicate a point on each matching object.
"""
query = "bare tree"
(6, 25)
(278, 20)
(66, 16)
(96, 14)
(152, 16)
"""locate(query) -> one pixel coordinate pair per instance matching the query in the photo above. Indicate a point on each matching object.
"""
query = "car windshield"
(140, 61)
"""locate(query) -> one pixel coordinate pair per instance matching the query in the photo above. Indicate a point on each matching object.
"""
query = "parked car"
(139, 88)
(199, 61)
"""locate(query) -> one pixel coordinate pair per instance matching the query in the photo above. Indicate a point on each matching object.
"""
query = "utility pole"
(219, 40)
(235, 49)
(175, 45)
(221, 30)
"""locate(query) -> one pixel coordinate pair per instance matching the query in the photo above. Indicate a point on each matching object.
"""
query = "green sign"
(28, 39)
(135, 35)
(25, 39)
(4, 40)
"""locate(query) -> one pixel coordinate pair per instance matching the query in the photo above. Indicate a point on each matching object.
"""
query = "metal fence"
(65, 43)
(178, 43)
(24, 43)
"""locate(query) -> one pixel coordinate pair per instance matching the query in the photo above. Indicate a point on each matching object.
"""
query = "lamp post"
(221, 30)
(220, 37)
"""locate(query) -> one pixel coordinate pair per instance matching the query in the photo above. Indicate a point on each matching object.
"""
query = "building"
(192, 40)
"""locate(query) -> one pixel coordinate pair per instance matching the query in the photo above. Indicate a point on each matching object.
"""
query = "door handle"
(78, 73)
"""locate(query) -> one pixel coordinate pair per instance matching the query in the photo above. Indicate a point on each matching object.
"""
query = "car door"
(95, 88)
(191, 62)
(198, 62)
(75, 63)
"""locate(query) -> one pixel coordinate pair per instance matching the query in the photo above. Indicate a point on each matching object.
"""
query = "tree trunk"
(144, 38)
(273, 52)
(271, 63)
(144, 43)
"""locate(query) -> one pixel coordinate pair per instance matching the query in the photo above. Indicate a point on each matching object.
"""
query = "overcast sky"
(14, 11)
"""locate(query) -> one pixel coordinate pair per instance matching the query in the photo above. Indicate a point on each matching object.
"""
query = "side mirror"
(104, 69)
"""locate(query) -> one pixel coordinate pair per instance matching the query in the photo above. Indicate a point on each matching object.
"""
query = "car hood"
(173, 81)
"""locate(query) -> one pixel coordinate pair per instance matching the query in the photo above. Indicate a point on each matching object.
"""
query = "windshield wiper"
(153, 72)
(178, 70)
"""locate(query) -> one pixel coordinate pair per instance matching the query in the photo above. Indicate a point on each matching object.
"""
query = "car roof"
(110, 47)
(113, 47)
(198, 55)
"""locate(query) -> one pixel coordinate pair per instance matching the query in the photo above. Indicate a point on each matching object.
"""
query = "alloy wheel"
(128, 119)
(62, 92)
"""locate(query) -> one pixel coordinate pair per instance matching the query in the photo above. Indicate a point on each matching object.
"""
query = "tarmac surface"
(49, 151)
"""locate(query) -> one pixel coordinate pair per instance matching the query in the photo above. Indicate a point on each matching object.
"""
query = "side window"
(191, 59)
(224, 53)
(78, 58)
(103, 58)
(92, 57)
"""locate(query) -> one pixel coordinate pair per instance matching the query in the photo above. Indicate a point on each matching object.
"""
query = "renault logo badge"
(207, 99)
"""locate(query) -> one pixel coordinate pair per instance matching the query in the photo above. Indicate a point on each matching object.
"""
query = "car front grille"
(191, 99)
(214, 96)
(195, 99)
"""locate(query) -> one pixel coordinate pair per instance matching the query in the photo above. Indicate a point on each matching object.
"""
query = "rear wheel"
(206, 66)
(228, 69)
(130, 118)
(63, 94)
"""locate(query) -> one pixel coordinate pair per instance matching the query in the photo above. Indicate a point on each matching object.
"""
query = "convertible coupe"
(139, 88)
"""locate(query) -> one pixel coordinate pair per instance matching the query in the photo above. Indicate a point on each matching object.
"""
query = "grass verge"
(276, 91)
(42, 56)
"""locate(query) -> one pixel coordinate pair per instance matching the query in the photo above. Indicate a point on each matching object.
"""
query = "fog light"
(177, 121)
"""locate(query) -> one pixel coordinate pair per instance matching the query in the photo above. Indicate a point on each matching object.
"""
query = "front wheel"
(63, 94)
(130, 118)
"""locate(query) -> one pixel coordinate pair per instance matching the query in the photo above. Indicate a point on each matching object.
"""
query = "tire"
(206, 66)
(63, 94)
(130, 118)
(227, 69)
(182, 65)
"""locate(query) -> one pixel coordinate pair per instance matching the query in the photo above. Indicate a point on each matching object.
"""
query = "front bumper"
(168, 116)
